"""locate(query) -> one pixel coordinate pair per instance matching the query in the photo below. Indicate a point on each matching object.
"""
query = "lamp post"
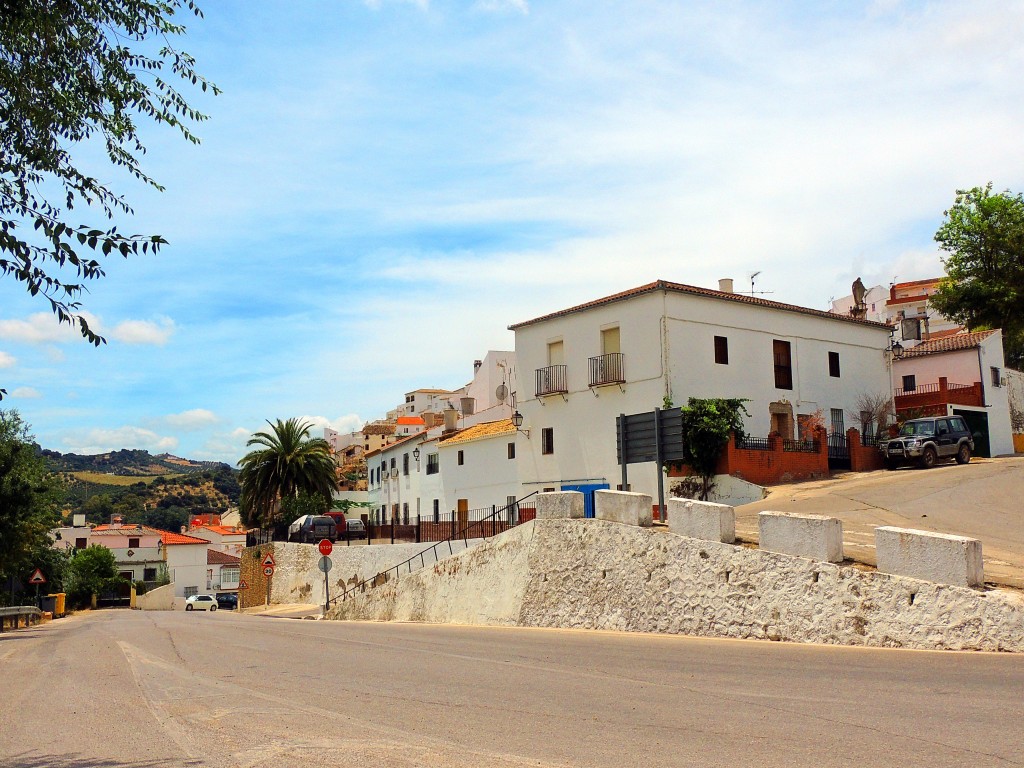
(517, 422)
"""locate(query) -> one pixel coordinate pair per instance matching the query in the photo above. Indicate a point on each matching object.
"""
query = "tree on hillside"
(74, 75)
(30, 499)
(289, 462)
(983, 233)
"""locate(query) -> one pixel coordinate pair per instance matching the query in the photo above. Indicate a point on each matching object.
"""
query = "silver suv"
(925, 441)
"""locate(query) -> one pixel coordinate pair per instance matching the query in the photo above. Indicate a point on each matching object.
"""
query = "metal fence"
(801, 446)
(746, 442)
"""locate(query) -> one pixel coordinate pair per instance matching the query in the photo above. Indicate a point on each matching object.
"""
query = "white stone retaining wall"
(559, 505)
(159, 599)
(602, 575)
(298, 580)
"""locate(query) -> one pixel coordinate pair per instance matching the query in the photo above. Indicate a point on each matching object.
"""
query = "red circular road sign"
(325, 547)
(268, 570)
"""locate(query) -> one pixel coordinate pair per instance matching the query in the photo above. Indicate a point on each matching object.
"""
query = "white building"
(962, 374)
(665, 342)
(222, 538)
(909, 310)
(874, 304)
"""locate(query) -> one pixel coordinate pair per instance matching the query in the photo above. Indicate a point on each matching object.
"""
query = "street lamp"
(517, 422)
(416, 456)
(897, 350)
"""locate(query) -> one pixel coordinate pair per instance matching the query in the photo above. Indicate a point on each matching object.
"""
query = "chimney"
(116, 521)
(451, 418)
(725, 285)
(468, 405)
(476, 366)
(184, 529)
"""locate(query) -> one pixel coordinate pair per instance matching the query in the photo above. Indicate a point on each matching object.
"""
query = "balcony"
(606, 369)
(926, 397)
(551, 381)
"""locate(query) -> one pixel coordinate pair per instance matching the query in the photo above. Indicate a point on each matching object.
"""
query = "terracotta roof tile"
(410, 420)
(665, 285)
(966, 340)
(216, 557)
(165, 536)
(223, 530)
(477, 431)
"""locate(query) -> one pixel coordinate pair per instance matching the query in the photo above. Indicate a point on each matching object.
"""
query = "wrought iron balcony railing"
(551, 380)
(606, 369)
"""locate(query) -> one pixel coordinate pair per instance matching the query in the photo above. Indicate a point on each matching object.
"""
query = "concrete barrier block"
(703, 520)
(559, 505)
(817, 537)
(938, 557)
(623, 507)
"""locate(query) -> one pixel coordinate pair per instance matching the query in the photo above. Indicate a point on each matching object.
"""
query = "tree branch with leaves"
(71, 76)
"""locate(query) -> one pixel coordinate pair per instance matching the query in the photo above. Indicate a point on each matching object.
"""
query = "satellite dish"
(501, 392)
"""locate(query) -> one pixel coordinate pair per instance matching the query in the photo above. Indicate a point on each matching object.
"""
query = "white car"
(201, 603)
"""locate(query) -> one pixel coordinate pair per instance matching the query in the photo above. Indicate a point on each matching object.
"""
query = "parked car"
(309, 529)
(227, 600)
(928, 440)
(356, 529)
(200, 603)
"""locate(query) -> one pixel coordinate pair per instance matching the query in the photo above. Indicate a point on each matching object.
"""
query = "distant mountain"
(129, 463)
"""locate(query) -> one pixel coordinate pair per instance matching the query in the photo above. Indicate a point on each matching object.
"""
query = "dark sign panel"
(653, 436)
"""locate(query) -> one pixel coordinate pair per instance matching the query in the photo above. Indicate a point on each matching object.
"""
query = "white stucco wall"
(187, 566)
(485, 478)
(298, 580)
(159, 599)
(599, 575)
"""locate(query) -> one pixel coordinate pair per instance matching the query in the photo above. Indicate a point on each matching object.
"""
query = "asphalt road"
(127, 688)
(983, 500)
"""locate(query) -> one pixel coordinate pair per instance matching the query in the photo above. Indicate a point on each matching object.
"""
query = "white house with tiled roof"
(630, 352)
(908, 309)
(185, 556)
(962, 374)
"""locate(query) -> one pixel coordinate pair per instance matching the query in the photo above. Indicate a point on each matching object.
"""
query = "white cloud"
(492, 6)
(43, 328)
(195, 419)
(7, 360)
(344, 424)
(38, 328)
(102, 440)
(143, 331)
(26, 392)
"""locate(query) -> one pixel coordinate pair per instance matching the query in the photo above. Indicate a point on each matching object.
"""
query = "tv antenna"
(752, 291)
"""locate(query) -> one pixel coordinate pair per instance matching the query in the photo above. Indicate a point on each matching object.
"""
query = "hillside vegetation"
(160, 491)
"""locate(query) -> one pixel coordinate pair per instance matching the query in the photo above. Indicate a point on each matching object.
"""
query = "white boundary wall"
(815, 536)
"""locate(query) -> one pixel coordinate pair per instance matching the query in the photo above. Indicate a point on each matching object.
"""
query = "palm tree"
(289, 462)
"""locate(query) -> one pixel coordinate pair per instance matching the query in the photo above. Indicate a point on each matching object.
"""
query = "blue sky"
(383, 187)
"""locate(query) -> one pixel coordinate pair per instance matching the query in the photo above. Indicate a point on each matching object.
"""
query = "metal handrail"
(376, 579)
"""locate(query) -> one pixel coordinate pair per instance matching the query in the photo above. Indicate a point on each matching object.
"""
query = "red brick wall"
(770, 467)
(863, 458)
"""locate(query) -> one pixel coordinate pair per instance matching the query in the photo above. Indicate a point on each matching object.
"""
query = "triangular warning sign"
(243, 584)
(269, 560)
(37, 577)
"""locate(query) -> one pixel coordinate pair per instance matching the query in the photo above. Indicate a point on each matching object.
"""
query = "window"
(394, 463)
(189, 591)
(405, 513)
(783, 364)
(511, 450)
(405, 463)
(433, 463)
(510, 505)
(437, 510)
(149, 574)
(833, 364)
(909, 383)
(837, 421)
(462, 458)
(867, 422)
(958, 424)
(229, 574)
(996, 378)
(133, 543)
(721, 350)
(81, 543)
(547, 440)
